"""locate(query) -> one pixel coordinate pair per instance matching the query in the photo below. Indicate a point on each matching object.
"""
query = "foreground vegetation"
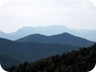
(76, 61)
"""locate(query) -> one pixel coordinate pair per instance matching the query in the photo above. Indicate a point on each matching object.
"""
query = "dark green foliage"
(76, 61)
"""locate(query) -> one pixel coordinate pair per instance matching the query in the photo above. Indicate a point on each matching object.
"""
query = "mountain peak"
(66, 33)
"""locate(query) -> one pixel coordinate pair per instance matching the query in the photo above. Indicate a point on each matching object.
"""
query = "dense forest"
(82, 60)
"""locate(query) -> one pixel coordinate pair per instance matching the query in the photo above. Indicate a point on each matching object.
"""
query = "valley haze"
(52, 34)
(48, 31)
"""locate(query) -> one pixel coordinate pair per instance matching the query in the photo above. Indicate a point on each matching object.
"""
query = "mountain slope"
(64, 38)
(8, 61)
(76, 61)
(32, 51)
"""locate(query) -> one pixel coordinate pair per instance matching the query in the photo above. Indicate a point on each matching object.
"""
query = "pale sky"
(77, 14)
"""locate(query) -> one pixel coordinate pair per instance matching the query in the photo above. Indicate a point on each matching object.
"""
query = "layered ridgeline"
(49, 30)
(29, 51)
(64, 38)
(36, 47)
(76, 61)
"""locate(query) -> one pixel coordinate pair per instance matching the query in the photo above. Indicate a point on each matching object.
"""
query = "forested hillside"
(76, 61)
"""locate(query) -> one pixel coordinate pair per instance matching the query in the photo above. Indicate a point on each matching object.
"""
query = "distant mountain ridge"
(49, 30)
(64, 38)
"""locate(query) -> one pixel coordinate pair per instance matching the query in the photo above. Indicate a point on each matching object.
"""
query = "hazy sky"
(77, 14)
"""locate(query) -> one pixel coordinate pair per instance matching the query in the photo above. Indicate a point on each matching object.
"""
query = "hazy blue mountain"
(31, 51)
(3, 35)
(64, 38)
(49, 30)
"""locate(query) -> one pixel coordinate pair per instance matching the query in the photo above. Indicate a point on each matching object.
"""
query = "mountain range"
(64, 38)
(49, 30)
(26, 52)
(35, 47)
